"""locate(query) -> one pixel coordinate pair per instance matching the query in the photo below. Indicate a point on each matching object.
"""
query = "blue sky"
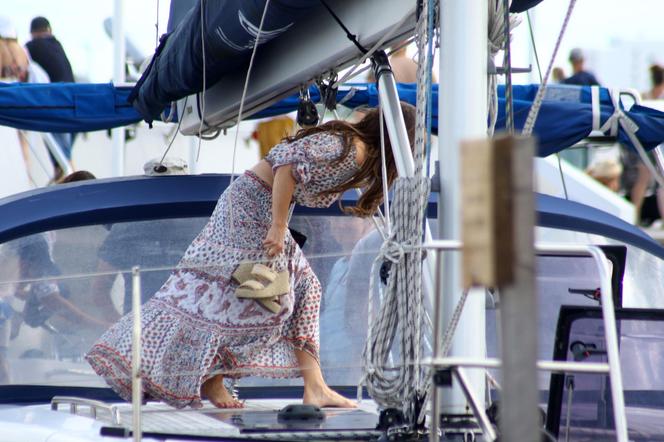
(621, 37)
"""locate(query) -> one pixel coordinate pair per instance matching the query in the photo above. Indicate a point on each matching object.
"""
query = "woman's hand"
(275, 240)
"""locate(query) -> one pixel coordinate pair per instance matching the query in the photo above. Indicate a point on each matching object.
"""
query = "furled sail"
(214, 37)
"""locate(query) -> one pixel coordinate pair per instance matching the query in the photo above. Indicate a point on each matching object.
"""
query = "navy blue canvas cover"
(523, 5)
(65, 107)
(229, 33)
(565, 117)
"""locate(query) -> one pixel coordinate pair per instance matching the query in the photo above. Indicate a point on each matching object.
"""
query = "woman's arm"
(283, 187)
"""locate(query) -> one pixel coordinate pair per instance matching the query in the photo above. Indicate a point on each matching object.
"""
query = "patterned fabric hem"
(226, 363)
(115, 370)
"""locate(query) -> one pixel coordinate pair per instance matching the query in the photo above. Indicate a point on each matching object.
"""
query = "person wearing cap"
(579, 76)
(47, 51)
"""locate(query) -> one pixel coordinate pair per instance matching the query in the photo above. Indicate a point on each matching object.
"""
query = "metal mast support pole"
(136, 382)
(193, 154)
(462, 104)
(55, 149)
(119, 55)
(403, 154)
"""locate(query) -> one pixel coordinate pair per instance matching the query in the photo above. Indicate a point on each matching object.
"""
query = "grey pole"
(136, 384)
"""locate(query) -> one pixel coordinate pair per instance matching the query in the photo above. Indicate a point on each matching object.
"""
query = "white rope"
(537, 103)
(496, 42)
(393, 385)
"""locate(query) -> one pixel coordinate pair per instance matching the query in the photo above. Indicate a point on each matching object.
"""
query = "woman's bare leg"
(316, 391)
(214, 390)
(638, 191)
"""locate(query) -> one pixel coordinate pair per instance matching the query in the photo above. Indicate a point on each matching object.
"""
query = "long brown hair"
(370, 176)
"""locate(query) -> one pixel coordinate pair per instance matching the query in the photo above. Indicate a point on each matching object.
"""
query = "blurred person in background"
(607, 172)
(47, 51)
(657, 80)
(15, 66)
(558, 75)
(579, 76)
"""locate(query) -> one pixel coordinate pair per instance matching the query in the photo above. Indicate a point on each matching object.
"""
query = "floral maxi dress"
(195, 326)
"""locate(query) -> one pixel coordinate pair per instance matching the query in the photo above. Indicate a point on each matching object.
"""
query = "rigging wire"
(246, 86)
(160, 166)
(532, 41)
(241, 109)
(373, 49)
(352, 37)
(539, 72)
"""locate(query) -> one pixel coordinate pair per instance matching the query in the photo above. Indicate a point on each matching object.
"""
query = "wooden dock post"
(498, 251)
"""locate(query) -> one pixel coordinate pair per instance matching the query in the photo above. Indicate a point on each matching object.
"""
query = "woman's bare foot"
(214, 390)
(324, 396)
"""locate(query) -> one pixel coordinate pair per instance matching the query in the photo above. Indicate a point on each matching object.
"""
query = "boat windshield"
(60, 290)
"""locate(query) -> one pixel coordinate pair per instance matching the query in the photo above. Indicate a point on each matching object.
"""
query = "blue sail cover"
(65, 107)
(565, 117)
(229, 32)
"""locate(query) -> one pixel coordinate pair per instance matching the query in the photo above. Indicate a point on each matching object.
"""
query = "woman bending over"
(197, 329)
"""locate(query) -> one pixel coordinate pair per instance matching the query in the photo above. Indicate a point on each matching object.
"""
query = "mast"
(462, 104)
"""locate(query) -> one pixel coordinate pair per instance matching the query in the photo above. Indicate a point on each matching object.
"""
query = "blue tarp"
(65, 107)
(565, 117)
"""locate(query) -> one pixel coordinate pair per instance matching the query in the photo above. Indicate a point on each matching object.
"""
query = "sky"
(620, 37)
(78, 24)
